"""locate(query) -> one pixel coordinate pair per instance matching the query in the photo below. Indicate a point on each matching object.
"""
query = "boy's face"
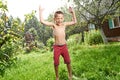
(59, 18)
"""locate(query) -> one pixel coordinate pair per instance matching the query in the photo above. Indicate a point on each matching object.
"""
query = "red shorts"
(61, 50)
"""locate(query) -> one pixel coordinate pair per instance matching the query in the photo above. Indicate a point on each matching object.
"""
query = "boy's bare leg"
(56, 72)
(69, 71)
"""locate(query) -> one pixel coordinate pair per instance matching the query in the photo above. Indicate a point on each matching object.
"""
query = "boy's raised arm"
(41, 18)
(74, 20)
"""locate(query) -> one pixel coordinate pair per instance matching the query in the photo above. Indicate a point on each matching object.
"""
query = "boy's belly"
(60, 40)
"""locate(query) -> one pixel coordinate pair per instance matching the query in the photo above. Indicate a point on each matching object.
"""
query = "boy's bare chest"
(59, 31)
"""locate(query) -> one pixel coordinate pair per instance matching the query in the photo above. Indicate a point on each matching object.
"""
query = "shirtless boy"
(60, 47)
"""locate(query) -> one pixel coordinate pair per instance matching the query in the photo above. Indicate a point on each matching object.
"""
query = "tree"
(9, 38)
(81, 25)
(96, 11)
(41, 31)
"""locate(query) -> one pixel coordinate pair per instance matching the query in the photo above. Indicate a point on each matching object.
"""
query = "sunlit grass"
(96, 62)
(31, 67)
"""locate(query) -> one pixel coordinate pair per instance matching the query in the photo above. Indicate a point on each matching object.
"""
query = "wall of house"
(115, 32)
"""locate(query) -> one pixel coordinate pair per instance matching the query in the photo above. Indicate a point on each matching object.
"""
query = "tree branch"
(87, 10)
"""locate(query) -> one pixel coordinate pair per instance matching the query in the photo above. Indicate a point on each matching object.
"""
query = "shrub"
(74, 39)
(9, 46)
(93, 37)
(6, 56)
(6, 64)
(50, 42)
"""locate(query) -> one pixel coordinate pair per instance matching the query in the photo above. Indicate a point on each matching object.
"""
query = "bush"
(6, 64)
(9, 46)
(93, 37)
(50, 43)
(6, 57)
(39, 44)
(74, 39)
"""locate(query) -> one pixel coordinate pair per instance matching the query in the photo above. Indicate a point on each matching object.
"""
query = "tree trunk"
(103, 35)
(82, 36)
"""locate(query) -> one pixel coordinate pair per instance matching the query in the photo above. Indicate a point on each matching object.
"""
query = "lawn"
(97, 62)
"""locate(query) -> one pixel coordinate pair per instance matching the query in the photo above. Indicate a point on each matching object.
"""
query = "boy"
(60, 47)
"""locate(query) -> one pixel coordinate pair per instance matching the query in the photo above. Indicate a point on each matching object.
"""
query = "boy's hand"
(41, 9)
(71, 10)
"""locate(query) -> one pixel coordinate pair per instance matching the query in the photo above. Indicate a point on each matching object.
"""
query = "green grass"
(97, 62)
(31, 67)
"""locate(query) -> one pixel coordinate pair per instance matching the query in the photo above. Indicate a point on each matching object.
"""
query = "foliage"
(74, 39)
(3, 5)
(29, 41)
(50, 43)
(10, 38)
(8, 48)
(93, 37)
(7, 64)
(41, 32)
(97, 11)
